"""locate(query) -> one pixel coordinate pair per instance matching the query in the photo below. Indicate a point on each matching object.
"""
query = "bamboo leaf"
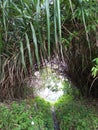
(71, 7)
(38, 26)
(22, 55)
(16, 7)
(29, 50)
(35, 43)
(48, 25)
(87, 36)
(5, 3)
(59, 26)
(3, 6)
(1, 44)
(55, 24)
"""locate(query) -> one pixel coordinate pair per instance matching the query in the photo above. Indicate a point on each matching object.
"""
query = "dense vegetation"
(32, 114)
(35, 114)
(34, 30)
(74, 115)
(33, 33)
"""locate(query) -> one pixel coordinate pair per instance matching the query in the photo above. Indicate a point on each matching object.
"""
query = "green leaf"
(17, 9)
(48, 25)
(22, 54)
(29, 50)
(59, 24)
(35, 43)
(55, 25)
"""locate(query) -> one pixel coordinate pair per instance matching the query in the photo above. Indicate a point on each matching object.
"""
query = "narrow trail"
(56, 125)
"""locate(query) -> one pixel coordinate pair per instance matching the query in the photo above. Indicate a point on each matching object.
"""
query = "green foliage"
(34, 30)
(79, 42)
(69, 89)
(95, 68)
(74, 115)
(34, 114)
(26, 33)
(65, 99)
(1, 44)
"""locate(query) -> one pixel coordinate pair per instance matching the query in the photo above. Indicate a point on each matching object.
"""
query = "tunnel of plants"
(33, 33)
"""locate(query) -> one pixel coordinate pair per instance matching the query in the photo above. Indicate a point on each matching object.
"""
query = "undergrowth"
(35, 114)
(32, 114)
(73, 115)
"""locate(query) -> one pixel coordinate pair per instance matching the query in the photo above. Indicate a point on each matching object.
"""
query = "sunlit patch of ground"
(48, 84)
(49, 95)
